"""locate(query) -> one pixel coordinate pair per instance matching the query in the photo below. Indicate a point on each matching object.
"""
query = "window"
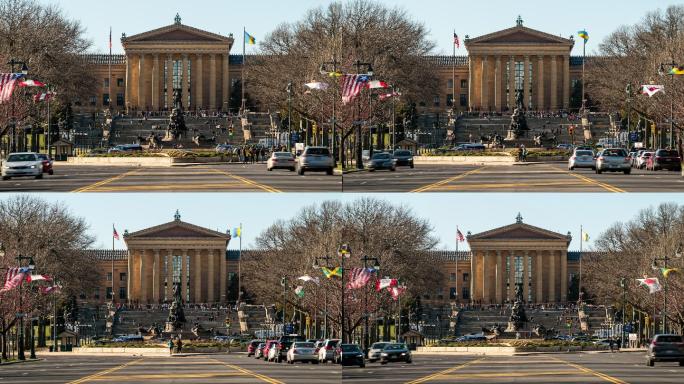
(109, 276)
(450, 84)
(122, 276)
(105, 99)
(464, 100)
(106, 83)
(464, 84)
(452, 293)
(452, 277)
(122, 293)
(120, 99)
(465, 293)
(93, 101)
(436, 101)
(120, 83)
(82, 296)
(109, 293)
(97, 294)
(466, 277)
(450, 100)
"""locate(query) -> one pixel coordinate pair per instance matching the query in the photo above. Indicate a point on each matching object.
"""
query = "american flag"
(459, 236)
(8, 81)
(352, 86)
(115, 234)
(359, 278)
(457, 41)
(13, 278)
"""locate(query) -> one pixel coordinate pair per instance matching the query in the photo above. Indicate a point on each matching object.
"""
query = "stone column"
(197, 279)
(184, 274)
(127, 96)
(155, 278)
(155, 83)
(225, 89)
(526, 278)
(223, 298)
(539, 284)
(169, 274)
(473, 275)
(199, 83)
(169, 82)
(554, 84)
(527, 84)
(470, 102)
(211, 289)
(186, 81)
(141, 82)
(484, 85)
(511, 83)
(499, 277)
(566, 82)
(540, 83)
(143, 278)
(511, 275)
(552, 277)
(564, 276)
(497, 84)
(486, 282)
(212, 82)
(129, 273)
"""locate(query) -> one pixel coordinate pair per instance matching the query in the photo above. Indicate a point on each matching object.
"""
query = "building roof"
(103, 59)
(448, 61)
(108, 254)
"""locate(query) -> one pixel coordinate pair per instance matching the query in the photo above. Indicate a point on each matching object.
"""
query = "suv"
(315, 159)
(665, 159)
(327, 351)
(613, 160)
(22, 164)
(665, 348)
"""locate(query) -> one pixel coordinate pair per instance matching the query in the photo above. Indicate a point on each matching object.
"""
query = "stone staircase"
(129, 321)
(254, 318)
(127, 130)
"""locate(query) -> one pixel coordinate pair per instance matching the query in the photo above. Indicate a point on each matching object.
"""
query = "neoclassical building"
(197, 259)
(202, 65)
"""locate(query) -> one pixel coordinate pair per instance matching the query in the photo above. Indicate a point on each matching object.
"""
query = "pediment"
(518, 232)
(176, 230)
(177, 33)
(520, 35)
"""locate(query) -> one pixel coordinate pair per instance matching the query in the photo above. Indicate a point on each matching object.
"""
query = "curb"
(20, 362)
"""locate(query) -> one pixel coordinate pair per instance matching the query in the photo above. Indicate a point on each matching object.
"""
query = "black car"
(665, 348)
(381, 160)
(350, 354)
(284, 344)
(666, 159)
(403, 158)
(395, 352)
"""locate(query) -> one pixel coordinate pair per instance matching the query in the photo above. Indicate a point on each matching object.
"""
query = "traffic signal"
(230, 131)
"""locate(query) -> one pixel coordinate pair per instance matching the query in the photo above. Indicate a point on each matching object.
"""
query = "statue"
(176, 127)
(518, 127)
(518, 317)
(176, 317)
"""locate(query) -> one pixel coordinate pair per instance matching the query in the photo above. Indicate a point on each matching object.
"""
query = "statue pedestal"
(511, 136)
(171, 328)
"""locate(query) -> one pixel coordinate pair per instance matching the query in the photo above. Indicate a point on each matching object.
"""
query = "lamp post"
(662, 72)
(629, 91)
(343, 252)
(623, 284)
(24, 71)
(283, 282)
(359, 146)
(289, 117)
(326, 69)
(316, 265)
(376, 266)
(666, 261)
(31, 266)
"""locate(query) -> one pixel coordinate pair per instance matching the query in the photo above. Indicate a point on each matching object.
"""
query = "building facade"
(201, 64)
(197, 259)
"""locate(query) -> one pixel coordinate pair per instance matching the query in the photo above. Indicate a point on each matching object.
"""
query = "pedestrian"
(611, 344)
(179, 346)
(170, 344)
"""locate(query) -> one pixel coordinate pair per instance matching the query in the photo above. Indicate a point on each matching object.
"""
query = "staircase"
(255, 318)
(128, 321)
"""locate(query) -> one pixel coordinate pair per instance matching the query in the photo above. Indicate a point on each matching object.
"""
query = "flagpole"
(114, 229)
(453, 77)
(456, 281)
(579, 291)
(240, 267)
(109, 80)
(244, 56)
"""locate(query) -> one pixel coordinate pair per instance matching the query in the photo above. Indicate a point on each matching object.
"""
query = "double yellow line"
(588, 180)
(250, 373)
(603, 376)
(105, 372)
(91, 187)
(447, 181)
(445, 372)
(263, 187)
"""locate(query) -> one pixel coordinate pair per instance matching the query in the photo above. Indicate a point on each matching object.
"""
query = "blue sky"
(472, 18)
(471, 212)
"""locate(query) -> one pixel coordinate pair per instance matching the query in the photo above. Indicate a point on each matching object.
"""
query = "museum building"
(199, 261)
(203, 66)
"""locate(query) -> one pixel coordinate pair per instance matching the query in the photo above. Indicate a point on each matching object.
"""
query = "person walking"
(179, 346)
(170, 345)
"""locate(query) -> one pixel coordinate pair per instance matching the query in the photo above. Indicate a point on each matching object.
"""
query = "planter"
(142, 161)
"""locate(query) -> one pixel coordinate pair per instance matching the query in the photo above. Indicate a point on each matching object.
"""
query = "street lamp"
(316, 265)
(289, 116)
(376, 266)
(31, 267)
(343, 252)
(326, 69)
(24, 71)
(359, 147)
(662, 72)
(623, 284)
(666, 261)
(283, 282)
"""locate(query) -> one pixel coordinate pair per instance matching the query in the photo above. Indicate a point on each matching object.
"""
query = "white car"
(643, 159)
(582, 158)
(327, 351)
(281, 160)
(273, 353)
(22, 164)
(303, 351)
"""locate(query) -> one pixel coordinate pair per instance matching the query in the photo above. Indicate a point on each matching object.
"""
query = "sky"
(441, 17)
(470, 212)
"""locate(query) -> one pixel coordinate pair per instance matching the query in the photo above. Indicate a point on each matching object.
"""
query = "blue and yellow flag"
(236, 232)
(249, 39)
(584, 35)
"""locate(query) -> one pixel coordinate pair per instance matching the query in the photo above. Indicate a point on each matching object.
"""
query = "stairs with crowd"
(130, 320)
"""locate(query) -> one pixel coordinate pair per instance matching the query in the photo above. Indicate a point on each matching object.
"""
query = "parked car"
(582, 159)
(374, 351)
(665, 348)
(47, 163)
(315, 159)
(613, 160)
(642, 159)
(252, 347)
(403, 158)
(303, 351)
(281, 160)
(327, 351)
(365, 155)
(259, 351)
(469, 147)
(284, 343)
(126, 148)
(565, 146)
(395, 352)
(380, 161)
(350, 354)
(665, 159)
(22, 164)
(224, 148)
(270, 344)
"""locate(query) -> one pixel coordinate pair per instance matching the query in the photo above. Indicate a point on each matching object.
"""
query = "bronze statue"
(176, 317)
(518, 318)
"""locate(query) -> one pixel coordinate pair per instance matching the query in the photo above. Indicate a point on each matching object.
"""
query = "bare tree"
(370, 227)
(632, 55)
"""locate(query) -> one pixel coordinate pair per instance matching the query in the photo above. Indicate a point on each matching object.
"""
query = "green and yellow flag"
(249, 39)
(667, 271)
(330, 273)
(677, 71)
(584, 35)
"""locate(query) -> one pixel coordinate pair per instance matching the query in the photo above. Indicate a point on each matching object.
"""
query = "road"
(547, 177)
(197, 178)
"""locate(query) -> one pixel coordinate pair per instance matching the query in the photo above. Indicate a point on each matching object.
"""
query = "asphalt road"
(229, 369)
(548, 177)
(197, 178)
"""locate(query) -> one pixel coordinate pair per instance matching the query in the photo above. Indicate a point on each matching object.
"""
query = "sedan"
(281, 160)
(350, 354)
(303, 351)
(665, 159)
(403, 158)
(22, 164)
(613, 160)
(252, 347)
(259, 351)
(582, 159)
(395, 352)
(47, 163)
(642, 159)
(382, 161)
(375, 351)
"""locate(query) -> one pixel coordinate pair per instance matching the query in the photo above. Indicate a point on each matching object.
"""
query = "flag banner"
(377, 84)
(351, 87)
(30, 278)
(667, 271)
(585, 236)
(677, 71)
(236, 232)
(115, 234)
(389, 95)
(50, 289)
(307, 278)
(651, 90)
(317, 85)
(8, 81)
(330, 273)
(360, 277)
(396, 291)
(584, 35)
(652, 283)
(31, 83)
(457, 41)
(299, 291)
(459, 236)
(337, 74)
(385, 283)
(13, 278)
(43, 96)
(249, 39)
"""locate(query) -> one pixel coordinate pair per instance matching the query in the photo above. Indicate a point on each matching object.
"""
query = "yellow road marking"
(248, 181)
(173, 187)
(508, 374)
(588, 180)
(89, 188)
(510, 185)
(250, 373)
(105, 372)
(447, 181)
(591, 371)
(445, 372)
(168, 376)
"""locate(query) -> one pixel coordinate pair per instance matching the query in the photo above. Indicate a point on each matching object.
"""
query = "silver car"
(666, 348)
(303, 351)
(375, 351)
(281, 160)
(582, 158)
(22, 164)
(613, 160)
(315, 159)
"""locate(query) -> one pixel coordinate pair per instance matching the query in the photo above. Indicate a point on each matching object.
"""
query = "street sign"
(634, 136)
(289, 328)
